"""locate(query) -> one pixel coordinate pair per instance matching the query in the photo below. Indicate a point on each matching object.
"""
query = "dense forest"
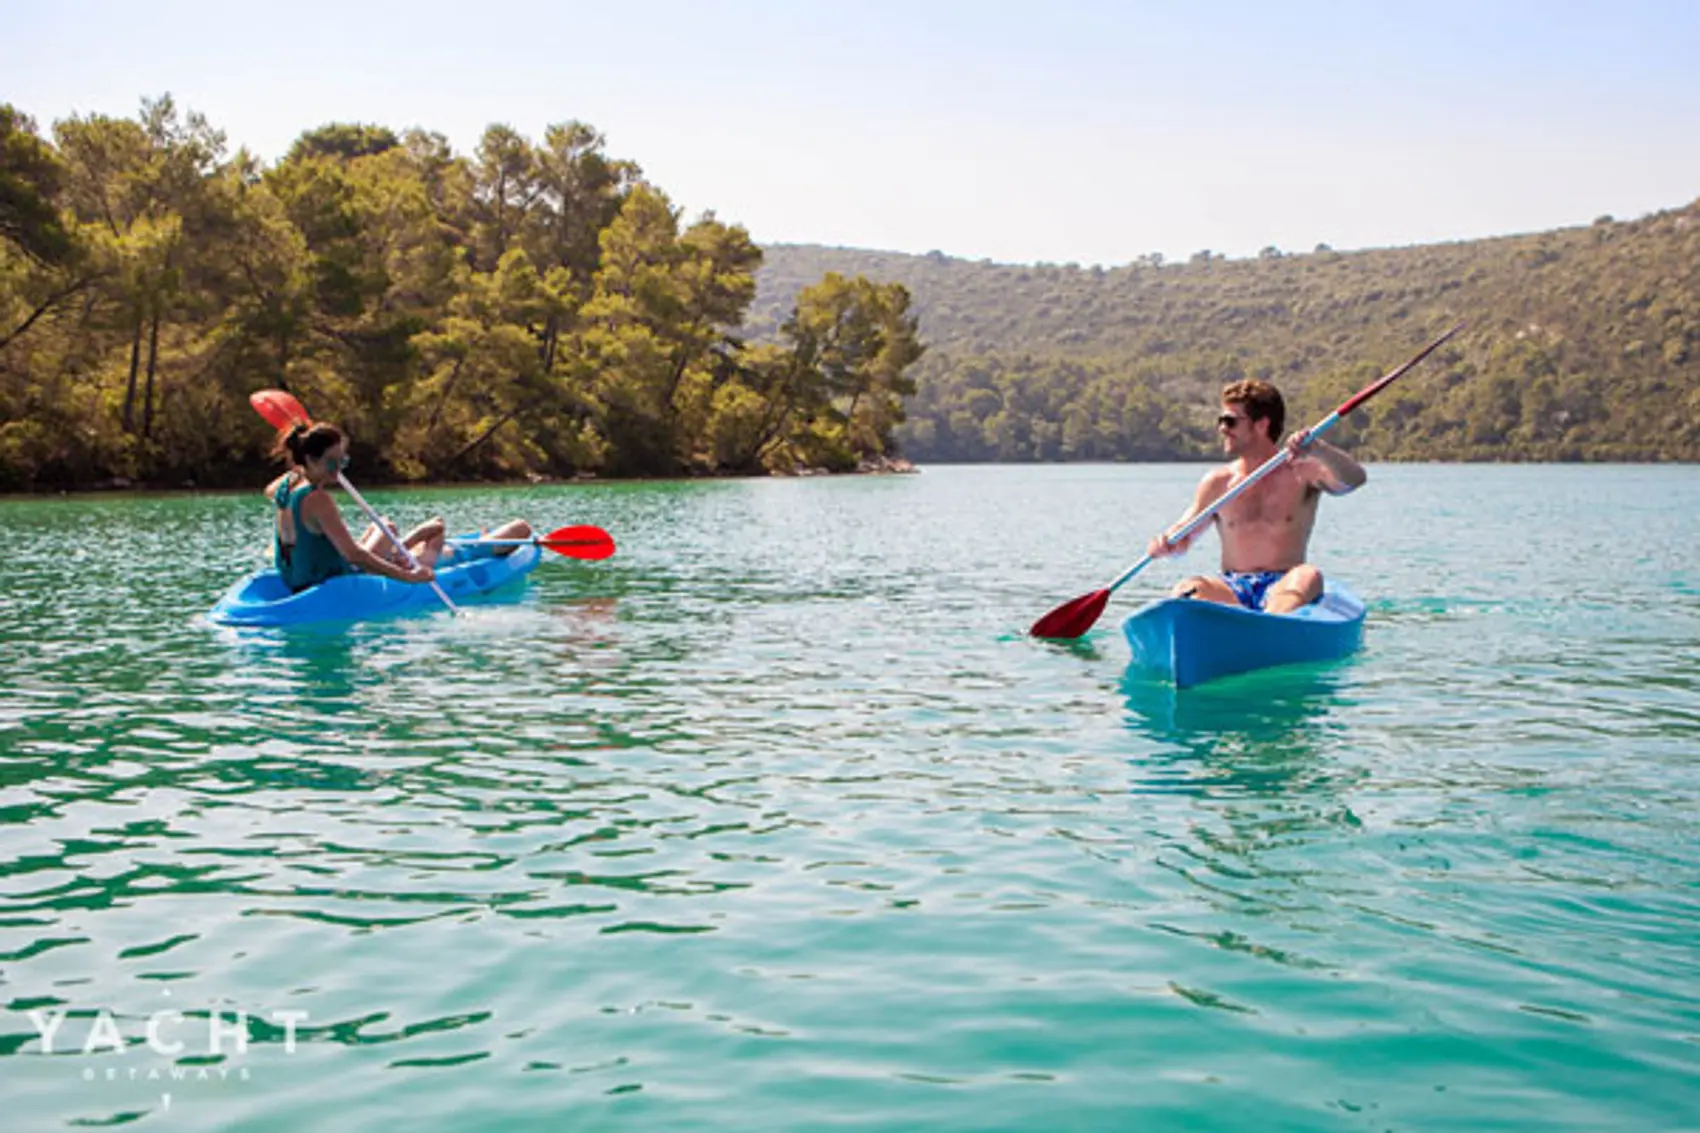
(1583, 344)
(533, 309)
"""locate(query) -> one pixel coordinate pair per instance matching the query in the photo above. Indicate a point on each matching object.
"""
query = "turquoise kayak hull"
(1191, 642)
(262, 599)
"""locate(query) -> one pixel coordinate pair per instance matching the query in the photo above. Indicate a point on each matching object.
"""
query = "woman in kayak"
(311, 542)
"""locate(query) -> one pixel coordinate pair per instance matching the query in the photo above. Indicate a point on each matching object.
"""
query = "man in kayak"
(1265, 532)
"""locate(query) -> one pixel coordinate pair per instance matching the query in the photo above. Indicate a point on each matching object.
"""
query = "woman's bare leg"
(425, 541)
(512, 529)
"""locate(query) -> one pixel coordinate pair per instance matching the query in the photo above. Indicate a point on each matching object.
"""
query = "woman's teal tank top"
(313, 558)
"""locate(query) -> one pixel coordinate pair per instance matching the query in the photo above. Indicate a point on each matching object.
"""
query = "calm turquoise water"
(777, 820)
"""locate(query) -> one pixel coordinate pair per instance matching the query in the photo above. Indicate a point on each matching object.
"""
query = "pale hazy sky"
(1055, 130)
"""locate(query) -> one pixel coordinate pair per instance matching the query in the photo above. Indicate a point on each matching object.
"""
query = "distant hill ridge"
(1584, 344)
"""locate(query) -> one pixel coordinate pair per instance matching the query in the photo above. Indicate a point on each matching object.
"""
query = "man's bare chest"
(1279, 501)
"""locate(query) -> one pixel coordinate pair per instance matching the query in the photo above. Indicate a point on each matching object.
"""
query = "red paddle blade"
(579, 542)
(279, 408)
(1071, 619)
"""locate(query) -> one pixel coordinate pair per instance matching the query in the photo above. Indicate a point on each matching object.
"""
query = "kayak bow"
(1191, 641)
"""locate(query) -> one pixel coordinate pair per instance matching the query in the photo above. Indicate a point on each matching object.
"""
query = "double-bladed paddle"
(1073, 618)
(580, 541)
(282, 411)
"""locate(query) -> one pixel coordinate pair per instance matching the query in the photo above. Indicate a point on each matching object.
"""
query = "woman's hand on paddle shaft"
(401, 572)
(320, 510)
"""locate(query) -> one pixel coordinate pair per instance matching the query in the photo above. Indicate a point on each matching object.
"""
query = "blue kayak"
(1191, 642)
(262, 599)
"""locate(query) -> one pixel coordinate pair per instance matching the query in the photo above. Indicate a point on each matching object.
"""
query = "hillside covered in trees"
(531, 309)
(1583, 344)
(540, 308)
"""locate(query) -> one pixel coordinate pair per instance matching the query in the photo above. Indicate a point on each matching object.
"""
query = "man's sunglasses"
(1231, 420)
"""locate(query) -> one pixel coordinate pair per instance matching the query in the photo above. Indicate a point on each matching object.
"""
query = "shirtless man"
(1266, 531)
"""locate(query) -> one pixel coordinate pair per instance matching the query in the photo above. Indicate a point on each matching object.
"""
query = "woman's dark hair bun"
(302, 442)
(293, 441)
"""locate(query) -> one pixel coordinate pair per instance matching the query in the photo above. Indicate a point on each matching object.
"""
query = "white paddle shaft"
(393, 537)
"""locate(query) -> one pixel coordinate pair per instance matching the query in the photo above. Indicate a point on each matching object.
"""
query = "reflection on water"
(1275, 707)
(1257, 734)
(1256, 764)
(1087, 647)
(587, 622)
(316, 665)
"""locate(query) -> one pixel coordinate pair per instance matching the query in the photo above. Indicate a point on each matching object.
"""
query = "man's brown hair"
(1260, 400)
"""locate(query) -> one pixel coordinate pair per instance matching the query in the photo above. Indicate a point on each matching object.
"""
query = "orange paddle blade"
(581, 541)
(1071, 619)
(279, 408)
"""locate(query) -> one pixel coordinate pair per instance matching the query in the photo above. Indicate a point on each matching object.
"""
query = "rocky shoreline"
(878, 466)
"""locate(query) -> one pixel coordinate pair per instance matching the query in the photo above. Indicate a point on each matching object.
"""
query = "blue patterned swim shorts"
(1251, 587)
